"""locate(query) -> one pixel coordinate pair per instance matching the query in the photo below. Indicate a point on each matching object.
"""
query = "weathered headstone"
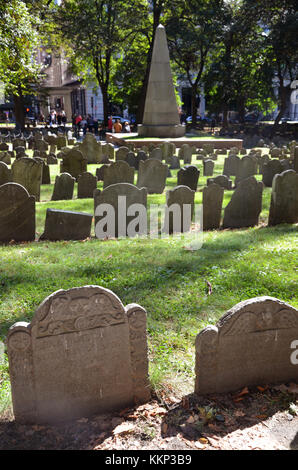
(174, 162)
(87, 183)
(245, 205)
(121, 153)
(74, 163)
(152, 175)
(250, 345)
(179, 210)
(120, 197)
(156, 153)
(222, 180)
(84, 353)
(118, 172)
(66, 225)
(100, 172)
(212, 205)
(64, 186)
(248, 167)
(5, 157)
(208, 167)
(17, 214)
(284, 199)
(270, 169)
(28, 173)
(231, 165)
(185, 153)
(91, 149)
(5, 174)
(188, 176)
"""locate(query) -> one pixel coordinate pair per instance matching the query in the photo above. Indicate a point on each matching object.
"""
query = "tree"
(19, 70)
(98, 32)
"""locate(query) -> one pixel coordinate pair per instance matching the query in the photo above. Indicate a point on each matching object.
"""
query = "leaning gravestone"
(212, 204)
(87, 183)
(152, 175)
(91, 149)
(118, 172)
(74, 163)
(120, 197)
(245, 205)
(28, 173)
(17, 214)
(188, 176)
(66, 225)
(5, 174)
(250, 345)
(270, 169)
(84, 353)
(284, 199)
(64, 186)
(179, 210)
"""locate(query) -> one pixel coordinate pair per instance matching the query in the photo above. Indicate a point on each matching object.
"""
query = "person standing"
(118, 126)
(110, 124)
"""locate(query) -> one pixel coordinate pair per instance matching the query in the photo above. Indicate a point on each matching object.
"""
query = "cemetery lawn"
(163, 276)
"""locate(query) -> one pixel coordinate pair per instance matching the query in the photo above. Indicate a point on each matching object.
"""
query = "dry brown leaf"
(123, 428)
(262, 389)
(261, 417)
(203, 440)
(164, 428)
(190, 420)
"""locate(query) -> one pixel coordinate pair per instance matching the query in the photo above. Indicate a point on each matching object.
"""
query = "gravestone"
(5, 158)
(52, 159)
(245, 205)
(100, 172)
(83, 353)
(4, 146)
(231, 165)
(285, 164)
(131, 159)
(120, 197)
(174, 162)
(46, 177)
(248, 167)
(121, 153)
(270, 169)
(41, 145)
(64, 186)
(108, 152)
(74, 163)
(17, 214)
(188, 176)
(118, 172)
(179, 210)
(18, 142)
(156, 153)
(20, 152)
(28, 173)
(152, 175)
(91, 149)
(284, 199)
(87, 183)
(212, 205)
(185, 153)
(208, 167)
(222, 180)
(250, 345)
(5, 174)
(60, 142)
(66, 225)
(168, 150)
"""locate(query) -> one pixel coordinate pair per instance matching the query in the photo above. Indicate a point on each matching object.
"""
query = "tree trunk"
(225, 122)
(283, 106)
(241, 109)
(19, 111)
(194, 105)
(105, 100)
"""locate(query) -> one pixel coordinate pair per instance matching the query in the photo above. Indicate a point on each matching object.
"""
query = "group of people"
(87, 123)
(57, 118)
(117, 127)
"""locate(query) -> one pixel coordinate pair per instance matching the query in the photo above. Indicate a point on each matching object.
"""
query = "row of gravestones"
(85, 353)
(17, 208)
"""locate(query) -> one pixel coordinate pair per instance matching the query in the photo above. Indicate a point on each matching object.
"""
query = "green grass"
(161, 275)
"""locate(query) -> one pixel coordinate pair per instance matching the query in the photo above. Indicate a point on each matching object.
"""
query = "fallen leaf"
(261, 417)
(244, 391)
(203, 440)
(164, 428)
(123, 428)
(262, 389)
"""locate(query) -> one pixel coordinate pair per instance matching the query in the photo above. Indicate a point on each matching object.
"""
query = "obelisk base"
(163, 131)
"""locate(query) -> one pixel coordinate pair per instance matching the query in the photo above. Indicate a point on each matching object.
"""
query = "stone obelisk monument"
(161, 117)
